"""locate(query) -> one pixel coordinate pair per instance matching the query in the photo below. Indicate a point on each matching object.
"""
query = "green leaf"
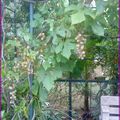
(66, 3)
(22, 88)
(100, 6)
(51, 23)
(98, 29)
(78, 17)
(48, 77)
(78, 68)
(41, 74)
(43, 93)
(90, 12)
(103, 43)
(46, 65)
(3, 73)
(48, 82)
(66, 52)
(63, 32)
(55, 39)
(21, 106)
(35, 88)
(69, 66)
(57, 72)
(59, 48)
(72, 8)
(27, 37)
(61, 58)
(13, 43)
(32, 54)
(60, 31)
(68, 46)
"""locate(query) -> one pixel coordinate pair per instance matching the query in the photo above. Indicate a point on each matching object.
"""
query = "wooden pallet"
(110, 108)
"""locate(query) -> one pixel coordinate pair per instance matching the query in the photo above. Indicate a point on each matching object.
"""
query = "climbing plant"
(66, 34)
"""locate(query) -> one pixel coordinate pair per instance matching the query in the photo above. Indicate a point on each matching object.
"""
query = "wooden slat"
(110, 110)
(109, 100)
(113, 110)
(114, 118)
(105, 109)
(105, 116)
(109, 107)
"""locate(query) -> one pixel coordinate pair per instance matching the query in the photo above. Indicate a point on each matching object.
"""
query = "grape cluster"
(41, 58)
(80, 46)
(41, 36)
(12, 94)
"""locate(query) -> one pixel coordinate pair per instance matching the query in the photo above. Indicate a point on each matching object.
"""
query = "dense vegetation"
(70, 38)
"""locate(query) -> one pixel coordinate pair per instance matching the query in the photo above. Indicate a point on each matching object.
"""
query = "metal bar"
(89, 81)
(1, 20)
(30, 107)
(31, 17)
(70, 101)
(31, 73)
(14, 19)
(70, 81)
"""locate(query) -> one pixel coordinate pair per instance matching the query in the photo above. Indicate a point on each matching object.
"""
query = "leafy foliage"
(52, 47)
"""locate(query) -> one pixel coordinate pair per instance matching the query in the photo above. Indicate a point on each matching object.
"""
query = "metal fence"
(80, 99)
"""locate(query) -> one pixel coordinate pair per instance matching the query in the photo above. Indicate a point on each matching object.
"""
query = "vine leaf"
(48, 77)
(100, 6)
(61, 31)
(66, 3)
(59, 48)
(35, 88)
(46, 65)
(98, 29)
(22, 88)
(13, 43)
(71, 8)
(78, 17)
(51, 23)
(90, 12)
(43, 93)
(48, 82)
(55, 39)
(68, 46)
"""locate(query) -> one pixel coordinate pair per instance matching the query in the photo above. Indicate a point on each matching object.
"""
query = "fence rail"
(72, 81)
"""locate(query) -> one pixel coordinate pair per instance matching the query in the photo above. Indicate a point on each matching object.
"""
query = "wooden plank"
(109, 106)
(109, 100)
(105, 116)
(110, 110)
(114, 118)
(105, 109)
(114, 110)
